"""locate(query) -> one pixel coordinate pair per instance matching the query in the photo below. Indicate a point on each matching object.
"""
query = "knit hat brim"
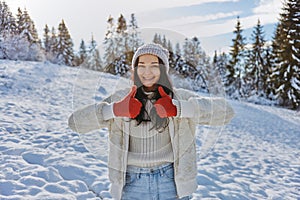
(152, 49)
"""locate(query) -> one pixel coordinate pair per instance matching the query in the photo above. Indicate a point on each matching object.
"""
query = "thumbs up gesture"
(164, 106)
(129, 106)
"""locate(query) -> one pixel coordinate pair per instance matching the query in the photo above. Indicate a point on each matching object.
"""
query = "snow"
(256, 156)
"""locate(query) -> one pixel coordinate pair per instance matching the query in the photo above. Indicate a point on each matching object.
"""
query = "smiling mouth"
(148, 79)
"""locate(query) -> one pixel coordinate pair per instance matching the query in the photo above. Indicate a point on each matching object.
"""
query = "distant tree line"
(261, 69)
(254, 71)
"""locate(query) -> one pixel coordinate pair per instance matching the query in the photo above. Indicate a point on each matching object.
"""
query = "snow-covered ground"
(257, 155)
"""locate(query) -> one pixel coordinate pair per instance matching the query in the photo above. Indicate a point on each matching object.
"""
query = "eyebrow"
(155, 62)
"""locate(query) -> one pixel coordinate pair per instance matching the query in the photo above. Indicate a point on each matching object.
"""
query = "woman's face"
(148, 70)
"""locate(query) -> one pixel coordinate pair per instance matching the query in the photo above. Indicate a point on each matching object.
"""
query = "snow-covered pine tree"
(164, 42)
(52, 53)
(220, 62)
(214, 80)
(82, 53)
(12, 46)
(236, 64)
(196, 63)
(286, 48)
(192, 51)
(157, 39)
(172, 55)
(7, 30)
(24, 43)
(170, 46)
(121, 38)
(269, 86)
(257, 69)
(176, 57)
(179, 63)
(122, 62)
(26, 27)
(117, 51)
(64, 46)
(46, 39)
(93, 60)
(7, 22)
(109, 45)
(195, 56)
(134, 40)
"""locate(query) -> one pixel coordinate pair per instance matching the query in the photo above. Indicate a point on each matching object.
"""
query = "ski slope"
(257, 155)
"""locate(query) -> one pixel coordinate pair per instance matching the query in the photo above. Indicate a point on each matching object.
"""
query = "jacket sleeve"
(95, 116)
(213, 111)
(88, 118)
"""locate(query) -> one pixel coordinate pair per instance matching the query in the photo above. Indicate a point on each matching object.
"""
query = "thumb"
(133, 91)
(162, 92)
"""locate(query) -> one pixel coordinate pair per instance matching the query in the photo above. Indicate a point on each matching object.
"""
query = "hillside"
(256, 156)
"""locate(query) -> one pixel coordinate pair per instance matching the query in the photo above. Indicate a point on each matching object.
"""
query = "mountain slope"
(256, 156)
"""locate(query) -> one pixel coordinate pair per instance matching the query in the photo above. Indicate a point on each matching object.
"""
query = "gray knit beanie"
(153, 49)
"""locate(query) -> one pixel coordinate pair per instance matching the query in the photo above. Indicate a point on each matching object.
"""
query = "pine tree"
(82, 53)
(117, 51)
(236, 65)
(172, 56)
(195, 63)
(215, 84)
(177, 56)
(192, 51)
(64, 46)
(7, 30)
(26, 27)
(109, 45)
(19, 41)
(52, 53)
(164, 42)
(93, 60)
(7, 22)
(134, 38)
(268, 84)
(257, 68)
(177, 50)
(286, 48)
(156, 39)
(195, 56)
(220, 62)
(121, 38)
(122, 63)
(46, 40)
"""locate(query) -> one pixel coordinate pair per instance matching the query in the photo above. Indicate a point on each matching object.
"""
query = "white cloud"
(209, 30)
(267, 11)
(184, 21)
(270, 7)
(138, 5)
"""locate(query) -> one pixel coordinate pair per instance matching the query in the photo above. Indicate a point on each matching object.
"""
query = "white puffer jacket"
(192, 110)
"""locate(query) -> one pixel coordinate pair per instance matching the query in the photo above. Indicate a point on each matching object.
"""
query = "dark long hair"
(158, 123)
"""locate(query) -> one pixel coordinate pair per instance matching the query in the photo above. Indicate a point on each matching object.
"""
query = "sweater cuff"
(108, 112)
(184, 108)
(178, 107)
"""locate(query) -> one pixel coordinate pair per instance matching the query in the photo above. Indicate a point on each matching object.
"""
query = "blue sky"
(211, 20)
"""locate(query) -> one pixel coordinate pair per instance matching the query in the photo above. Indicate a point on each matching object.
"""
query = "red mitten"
(129, 106)
(164, 106)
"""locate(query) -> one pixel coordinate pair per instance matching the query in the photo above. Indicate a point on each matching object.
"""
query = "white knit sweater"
(147, 146)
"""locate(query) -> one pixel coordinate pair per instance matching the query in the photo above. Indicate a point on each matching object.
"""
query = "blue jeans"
(150, 183)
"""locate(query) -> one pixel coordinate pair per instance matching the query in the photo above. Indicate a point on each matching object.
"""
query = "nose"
(147, 70)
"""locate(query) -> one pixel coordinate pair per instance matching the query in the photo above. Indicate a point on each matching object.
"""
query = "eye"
(154, 66)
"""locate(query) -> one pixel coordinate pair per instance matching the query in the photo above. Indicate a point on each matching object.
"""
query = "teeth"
(148, 79)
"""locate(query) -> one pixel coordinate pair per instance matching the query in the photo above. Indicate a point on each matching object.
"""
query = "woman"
(152, 152)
